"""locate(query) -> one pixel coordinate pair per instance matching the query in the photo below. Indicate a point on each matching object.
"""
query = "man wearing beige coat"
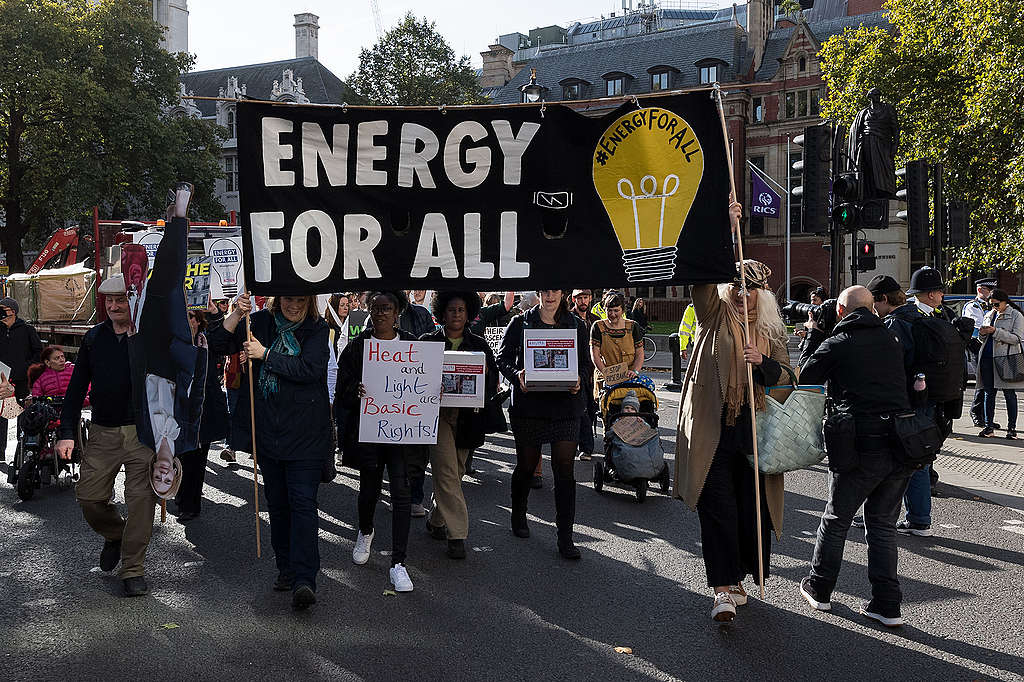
(713, 475)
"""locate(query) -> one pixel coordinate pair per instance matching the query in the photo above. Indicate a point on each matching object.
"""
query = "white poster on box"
(403, 392)
(462, 379)
(550, 359)
(228, 278)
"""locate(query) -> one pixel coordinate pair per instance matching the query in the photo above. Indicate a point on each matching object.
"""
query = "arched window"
(230, 123)
(802, 64)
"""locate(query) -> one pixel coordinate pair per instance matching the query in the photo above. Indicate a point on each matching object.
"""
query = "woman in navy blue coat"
(293, 425)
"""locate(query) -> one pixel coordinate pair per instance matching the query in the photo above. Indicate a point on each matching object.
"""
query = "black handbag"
(1010, 368)
(920, 436)
(840, 434)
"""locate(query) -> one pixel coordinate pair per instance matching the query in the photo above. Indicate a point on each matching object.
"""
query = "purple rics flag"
(764, 201)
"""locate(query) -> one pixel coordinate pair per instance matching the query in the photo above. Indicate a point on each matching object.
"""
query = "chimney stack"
(307, 28)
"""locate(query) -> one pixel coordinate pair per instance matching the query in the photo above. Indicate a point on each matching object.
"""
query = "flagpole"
(717, 95)
(789, 296)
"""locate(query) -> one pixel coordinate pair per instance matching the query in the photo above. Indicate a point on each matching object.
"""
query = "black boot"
(520, 493)
(565, 516)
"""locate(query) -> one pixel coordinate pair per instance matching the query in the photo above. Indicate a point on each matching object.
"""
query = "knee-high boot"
(565, 516)
(520, 493)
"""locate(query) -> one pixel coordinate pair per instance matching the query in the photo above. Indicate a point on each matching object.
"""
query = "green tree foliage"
(954, 69)
(414, 65)
(83, 91)
(791, 9)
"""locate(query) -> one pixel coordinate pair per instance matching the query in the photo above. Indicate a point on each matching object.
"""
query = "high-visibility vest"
(687, 327)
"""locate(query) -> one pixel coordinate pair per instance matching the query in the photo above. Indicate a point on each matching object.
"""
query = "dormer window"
(615, 83)
(710, 71)
(230, 123)
(802, 65)
(662, 77)
(573, 88)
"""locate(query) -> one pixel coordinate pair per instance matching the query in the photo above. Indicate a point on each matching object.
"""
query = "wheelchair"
(36, 462)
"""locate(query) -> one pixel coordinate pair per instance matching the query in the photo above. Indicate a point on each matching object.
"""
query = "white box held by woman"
(550, 359)
(462, 378)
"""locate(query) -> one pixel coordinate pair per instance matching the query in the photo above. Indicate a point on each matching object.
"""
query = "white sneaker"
(418, 511)
(739, 595)
(400, 579)
(361, 552)
(724, 609)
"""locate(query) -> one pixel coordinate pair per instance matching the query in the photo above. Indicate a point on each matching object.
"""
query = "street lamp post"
(531, 91)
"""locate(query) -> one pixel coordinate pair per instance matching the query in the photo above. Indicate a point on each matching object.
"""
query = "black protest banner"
(483, 197)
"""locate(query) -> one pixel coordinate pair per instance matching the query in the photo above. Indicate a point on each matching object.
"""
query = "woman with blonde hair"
(713, 475)
(289, 353)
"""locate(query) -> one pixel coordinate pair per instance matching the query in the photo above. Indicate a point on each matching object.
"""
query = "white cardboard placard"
(227, 277)
(403, 392)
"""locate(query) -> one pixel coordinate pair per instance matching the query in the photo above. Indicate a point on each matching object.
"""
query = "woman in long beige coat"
(714, 437)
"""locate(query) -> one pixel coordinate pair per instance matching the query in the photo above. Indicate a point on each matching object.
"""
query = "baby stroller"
(637, 459)
(36, 462)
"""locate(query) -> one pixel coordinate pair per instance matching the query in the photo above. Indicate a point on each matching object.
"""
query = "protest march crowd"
(309, 387)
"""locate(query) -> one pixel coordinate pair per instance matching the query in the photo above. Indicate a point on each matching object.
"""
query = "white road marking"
(1013, 522)
(948, 525)
(1019, 530)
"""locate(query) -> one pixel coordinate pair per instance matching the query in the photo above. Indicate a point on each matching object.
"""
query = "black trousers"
(193, 474)
(728, 516)
(396, 458)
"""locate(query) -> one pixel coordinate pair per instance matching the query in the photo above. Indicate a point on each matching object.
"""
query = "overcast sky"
(235, 32)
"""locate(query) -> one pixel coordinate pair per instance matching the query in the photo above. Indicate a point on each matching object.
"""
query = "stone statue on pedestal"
(874, 137)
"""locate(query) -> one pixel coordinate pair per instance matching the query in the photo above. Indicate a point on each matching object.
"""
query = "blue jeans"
(291, 486)
(878, 483)
(918, 497)
(989, 398)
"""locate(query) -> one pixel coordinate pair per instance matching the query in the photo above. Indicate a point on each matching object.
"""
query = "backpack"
(939, 355)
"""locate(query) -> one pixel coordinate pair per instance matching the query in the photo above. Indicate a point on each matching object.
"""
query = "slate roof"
(822, 30)
(320, 85)
(679, 47)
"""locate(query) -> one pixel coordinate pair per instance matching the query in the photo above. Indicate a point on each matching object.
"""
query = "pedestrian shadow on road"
(985, 656)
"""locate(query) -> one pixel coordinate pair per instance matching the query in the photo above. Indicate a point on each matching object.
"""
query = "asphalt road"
(513, 609)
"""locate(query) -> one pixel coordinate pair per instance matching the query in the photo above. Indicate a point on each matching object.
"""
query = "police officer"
(927, 287)
(976, 309)
(862, 362)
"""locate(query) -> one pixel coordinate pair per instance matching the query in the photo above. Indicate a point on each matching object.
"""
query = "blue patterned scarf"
(286, 344)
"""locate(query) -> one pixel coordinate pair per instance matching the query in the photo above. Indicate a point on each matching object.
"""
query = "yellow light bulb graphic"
(648, 165)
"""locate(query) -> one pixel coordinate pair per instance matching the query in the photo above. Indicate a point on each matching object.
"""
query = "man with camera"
(862, 364)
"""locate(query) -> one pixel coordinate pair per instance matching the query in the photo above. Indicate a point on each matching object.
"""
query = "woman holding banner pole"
(289, 353)
(714, 435)
(540, 417)
(459, 429)
(385, 309)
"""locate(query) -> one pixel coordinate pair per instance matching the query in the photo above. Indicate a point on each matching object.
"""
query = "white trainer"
(739, 595)
(724, 609)
(400, 579)
(361, 552)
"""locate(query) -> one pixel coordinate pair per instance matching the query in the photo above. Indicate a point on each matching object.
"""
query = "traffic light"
(915, 193)
(845, 192)
(866, 255)
(958, 217)
(815, 169)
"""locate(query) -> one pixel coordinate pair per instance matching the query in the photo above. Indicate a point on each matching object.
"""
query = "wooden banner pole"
(746, 331)
(252, 427)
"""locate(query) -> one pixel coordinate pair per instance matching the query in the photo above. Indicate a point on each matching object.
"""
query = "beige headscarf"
(737, 394)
